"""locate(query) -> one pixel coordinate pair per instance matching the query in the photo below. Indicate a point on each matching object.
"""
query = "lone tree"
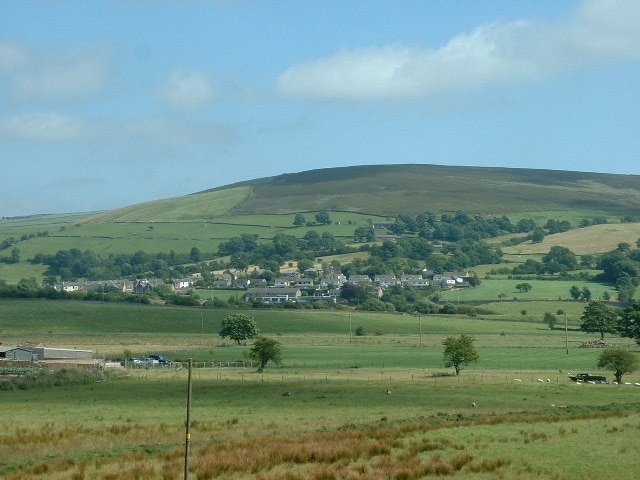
(239, 327)
(524, 287)
(550, 319)
(299, 220)
(629, 325)
(459, 351)
(619, 361)
(322, 218)
(265, 350)
(597, 317)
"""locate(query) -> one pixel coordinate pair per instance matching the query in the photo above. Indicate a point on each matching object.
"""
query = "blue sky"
(109, 103)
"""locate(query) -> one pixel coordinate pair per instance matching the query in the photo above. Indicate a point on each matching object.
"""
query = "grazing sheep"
(286, 394)
(388, 392)
(548, 380)
(541, 380)
(517, 380)
(637, 384)
(473, 404)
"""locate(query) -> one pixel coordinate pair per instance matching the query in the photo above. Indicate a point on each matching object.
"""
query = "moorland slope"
(393, 189)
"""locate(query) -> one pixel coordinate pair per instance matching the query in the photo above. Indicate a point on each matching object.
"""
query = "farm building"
(46, 353)
(16, 353)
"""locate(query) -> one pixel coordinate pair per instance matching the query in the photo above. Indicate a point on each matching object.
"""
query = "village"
(306, 287)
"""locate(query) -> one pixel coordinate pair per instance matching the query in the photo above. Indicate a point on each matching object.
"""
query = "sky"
(105, 104)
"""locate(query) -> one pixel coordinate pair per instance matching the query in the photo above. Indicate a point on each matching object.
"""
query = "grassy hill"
(354, 196)
(413, 189)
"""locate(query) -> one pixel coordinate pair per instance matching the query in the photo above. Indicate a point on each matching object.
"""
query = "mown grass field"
(582, 241)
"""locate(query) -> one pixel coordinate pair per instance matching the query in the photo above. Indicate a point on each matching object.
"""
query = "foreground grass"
(341, 424)
(337, 421)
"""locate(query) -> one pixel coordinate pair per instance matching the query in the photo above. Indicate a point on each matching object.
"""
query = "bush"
(448, 309)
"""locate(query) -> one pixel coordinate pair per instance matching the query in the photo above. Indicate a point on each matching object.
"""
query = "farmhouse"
(183, 283)
(450, 279)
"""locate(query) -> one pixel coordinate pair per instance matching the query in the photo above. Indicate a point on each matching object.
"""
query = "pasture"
(337, 421)
(342, 424)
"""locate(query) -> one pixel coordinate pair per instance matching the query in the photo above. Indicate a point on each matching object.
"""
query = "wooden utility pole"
(187, 442)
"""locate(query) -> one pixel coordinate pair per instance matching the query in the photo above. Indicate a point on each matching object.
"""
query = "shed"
(46, 353)
(17, 353)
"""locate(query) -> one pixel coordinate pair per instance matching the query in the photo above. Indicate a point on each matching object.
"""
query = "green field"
(337, 416)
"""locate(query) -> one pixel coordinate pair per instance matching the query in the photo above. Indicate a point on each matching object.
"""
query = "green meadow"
(379, 405)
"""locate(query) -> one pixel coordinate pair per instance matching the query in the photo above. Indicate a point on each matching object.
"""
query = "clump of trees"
(600, 318)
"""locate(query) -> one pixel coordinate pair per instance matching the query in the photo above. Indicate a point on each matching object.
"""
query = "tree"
(265, 350)
(585, 293)
(305, 264)
(619, 361)
(537, 235)
(559, 259)
(629, 324)
(15, 255)
(550, 319)
(574, 291)
(459, 351)
(364, 234)
(323, 218)
(597, 317)
(524, 287)
(299, 220)
(239, 327)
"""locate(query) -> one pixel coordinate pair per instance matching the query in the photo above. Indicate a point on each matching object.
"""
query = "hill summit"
(393, 189)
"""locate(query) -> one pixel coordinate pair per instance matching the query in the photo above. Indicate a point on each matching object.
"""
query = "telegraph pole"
(188, 426)
(566, 334)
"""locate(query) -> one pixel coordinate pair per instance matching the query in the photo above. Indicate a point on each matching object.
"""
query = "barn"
(17, 353)
(46, 353)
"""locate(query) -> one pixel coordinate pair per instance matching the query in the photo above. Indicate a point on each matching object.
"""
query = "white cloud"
(14, 55)
(51, 127)
(187, 91)
(42, 127)
(60, 76)
(601, 31)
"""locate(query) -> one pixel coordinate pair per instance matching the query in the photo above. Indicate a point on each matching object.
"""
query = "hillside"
(393, 189)
(413, 189)
(354, 196)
